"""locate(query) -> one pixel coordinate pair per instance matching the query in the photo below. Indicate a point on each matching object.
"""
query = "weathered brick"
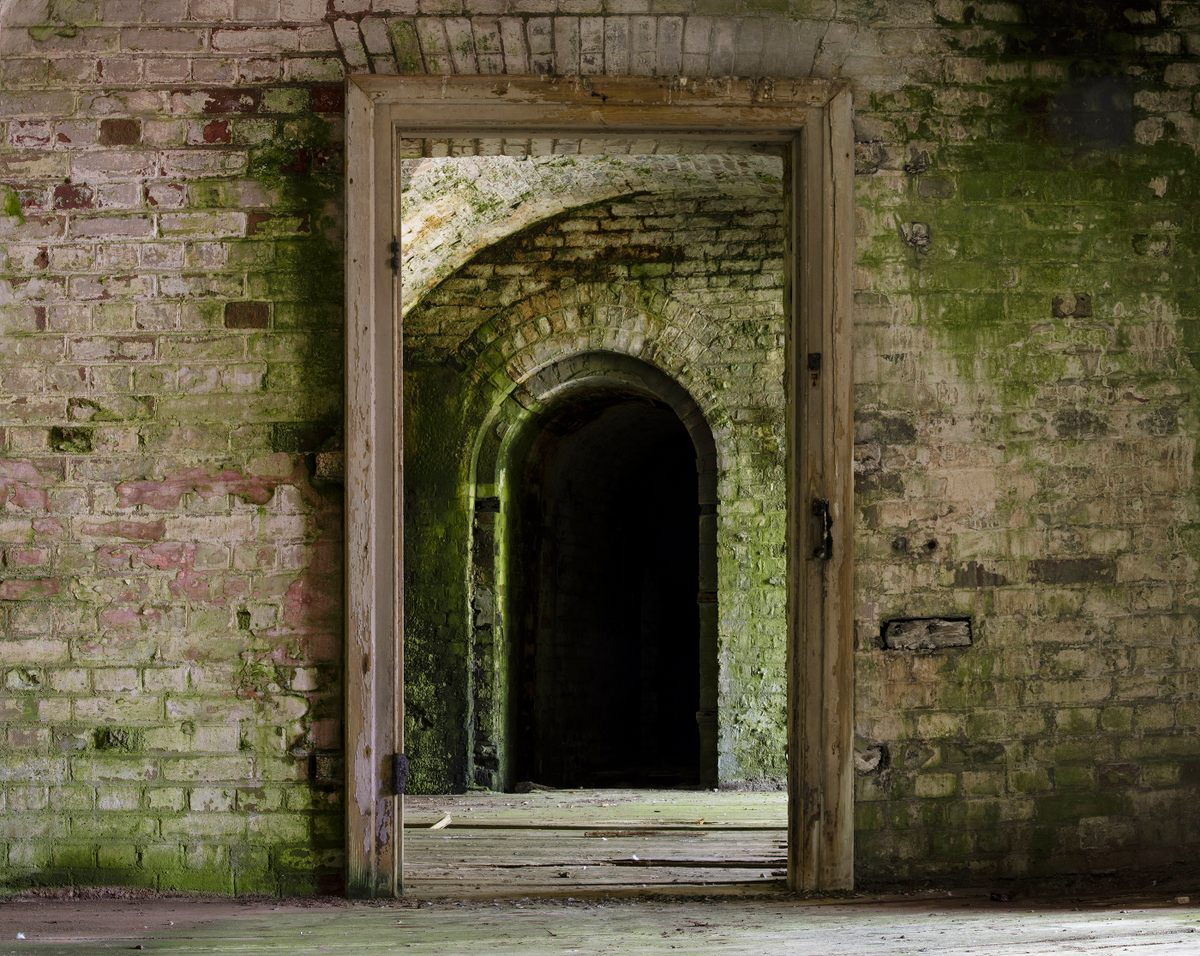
(254, 40)
(1073, 570)
(29, 589)
(247, 315)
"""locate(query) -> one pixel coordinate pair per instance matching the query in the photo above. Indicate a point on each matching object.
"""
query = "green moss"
(206, 880)
(123, 739)
(74, 440)
(11, 202)
(85, 409)
(1069, 808)
(64, 18)
(303, 437)
(300, 164)
(303, 275)
(406, 46)
(435, 580)
(1051, 200)
(258, 678)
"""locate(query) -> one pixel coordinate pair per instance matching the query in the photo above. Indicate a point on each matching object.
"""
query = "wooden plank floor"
(565, 842)
(731, 926)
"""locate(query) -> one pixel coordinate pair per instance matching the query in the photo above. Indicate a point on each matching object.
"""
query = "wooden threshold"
(597, 842)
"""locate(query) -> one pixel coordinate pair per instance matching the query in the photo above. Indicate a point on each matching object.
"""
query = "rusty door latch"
(822, 530)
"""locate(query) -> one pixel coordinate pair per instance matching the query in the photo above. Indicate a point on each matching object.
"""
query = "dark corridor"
(606, 584)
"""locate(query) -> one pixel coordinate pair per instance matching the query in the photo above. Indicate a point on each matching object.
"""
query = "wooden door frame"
(813, 119)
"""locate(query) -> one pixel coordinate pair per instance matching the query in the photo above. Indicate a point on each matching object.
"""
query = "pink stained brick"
(29, 589)
(129, 530)
(165, 495)
(166, 555)
(47, 527)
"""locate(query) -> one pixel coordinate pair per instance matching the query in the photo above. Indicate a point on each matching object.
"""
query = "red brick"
(254, 220)
(247, 315)
(232, 101)
(329, 98)
(72, 196)
(120, 132)
(28, 589)
(217, 131)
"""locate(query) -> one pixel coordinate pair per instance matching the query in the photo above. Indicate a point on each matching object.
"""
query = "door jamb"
(814, 118)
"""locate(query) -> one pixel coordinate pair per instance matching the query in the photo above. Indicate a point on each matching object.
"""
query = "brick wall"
(1026, 355)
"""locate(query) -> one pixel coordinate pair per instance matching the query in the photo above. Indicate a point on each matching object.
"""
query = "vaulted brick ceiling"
(453, 207)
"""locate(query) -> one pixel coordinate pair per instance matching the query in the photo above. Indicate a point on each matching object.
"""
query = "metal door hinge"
(822, 530)
(399, 773)
(394, 261)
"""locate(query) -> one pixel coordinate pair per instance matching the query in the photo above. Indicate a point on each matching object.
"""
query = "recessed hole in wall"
(926, 633)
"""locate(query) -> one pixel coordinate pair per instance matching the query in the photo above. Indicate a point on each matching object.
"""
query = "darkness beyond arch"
(578, 409)
(605, 618)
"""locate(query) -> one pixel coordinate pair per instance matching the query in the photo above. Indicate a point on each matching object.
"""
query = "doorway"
(608, 641)
(594, 582)
(605, 592)
(812, 121)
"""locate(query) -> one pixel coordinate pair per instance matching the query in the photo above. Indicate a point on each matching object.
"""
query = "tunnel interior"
(605, 574)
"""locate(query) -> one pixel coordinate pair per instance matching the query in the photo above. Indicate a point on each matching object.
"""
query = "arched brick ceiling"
(452, 208)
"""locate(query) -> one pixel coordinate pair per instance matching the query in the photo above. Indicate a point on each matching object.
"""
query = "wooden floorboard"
(1157, 926)
(561, 842)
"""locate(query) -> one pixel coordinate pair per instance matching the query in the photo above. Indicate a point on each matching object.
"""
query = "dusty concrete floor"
(1149, 926)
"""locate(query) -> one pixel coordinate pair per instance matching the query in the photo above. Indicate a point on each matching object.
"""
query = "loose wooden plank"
(674, 800)
(591, 808)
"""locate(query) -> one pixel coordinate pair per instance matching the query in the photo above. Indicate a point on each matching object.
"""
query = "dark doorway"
(605, 584)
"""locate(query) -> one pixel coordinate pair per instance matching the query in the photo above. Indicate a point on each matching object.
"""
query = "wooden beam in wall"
(373, 674)
(821, 506)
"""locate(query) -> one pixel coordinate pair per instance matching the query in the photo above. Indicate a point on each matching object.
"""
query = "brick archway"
(505, 440)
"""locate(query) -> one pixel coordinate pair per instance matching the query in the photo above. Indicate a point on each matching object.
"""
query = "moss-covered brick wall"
(170, 602)
(1026, 369)
(691, 284)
